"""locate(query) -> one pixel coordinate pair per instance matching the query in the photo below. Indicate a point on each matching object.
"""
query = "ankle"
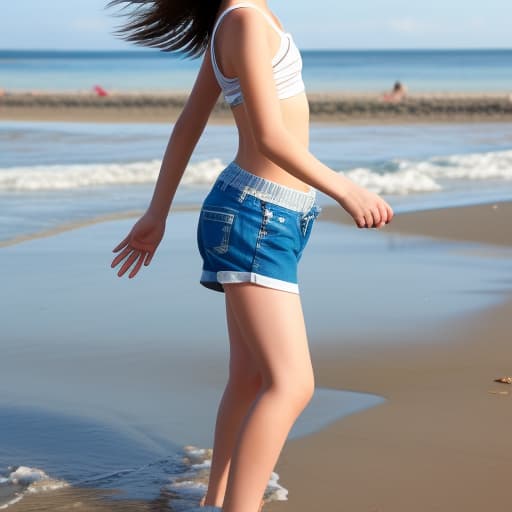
(203, 503)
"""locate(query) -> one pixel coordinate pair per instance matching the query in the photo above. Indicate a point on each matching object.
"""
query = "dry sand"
(325, 107)
(441, 442)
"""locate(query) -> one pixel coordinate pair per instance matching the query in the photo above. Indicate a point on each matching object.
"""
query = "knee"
(305, 388)
(296, 388)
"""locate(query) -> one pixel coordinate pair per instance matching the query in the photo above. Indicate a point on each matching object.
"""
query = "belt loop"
(242, 196)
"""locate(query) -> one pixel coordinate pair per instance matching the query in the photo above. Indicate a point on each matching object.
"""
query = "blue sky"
(85, 24)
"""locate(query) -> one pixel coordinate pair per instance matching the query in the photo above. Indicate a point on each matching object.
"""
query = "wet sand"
(324, 107)
(442, 440)
(486, 223)
(83, 499)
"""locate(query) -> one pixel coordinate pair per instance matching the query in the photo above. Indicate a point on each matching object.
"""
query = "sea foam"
(401, 177)
(24, 479)
(409, 176)
(186, 489)
(77, 176)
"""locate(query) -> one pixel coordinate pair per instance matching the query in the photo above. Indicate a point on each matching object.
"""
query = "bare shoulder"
(240, 24)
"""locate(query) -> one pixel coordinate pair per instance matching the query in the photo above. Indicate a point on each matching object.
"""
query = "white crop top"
(286, 64)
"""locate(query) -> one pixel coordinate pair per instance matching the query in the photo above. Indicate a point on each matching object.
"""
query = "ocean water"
(52, 173)
(334, 70)
(77, 451)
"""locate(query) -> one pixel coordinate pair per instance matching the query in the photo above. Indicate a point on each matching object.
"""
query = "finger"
(360, 221)
(376, 216)
(368, 217)
(383, 215)
(121, 244)
(128, 263)
(133, 273)
(149, 257)
(391, 214)
(121, 256)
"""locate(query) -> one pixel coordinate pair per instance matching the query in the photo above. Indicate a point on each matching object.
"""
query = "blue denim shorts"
(253, 230)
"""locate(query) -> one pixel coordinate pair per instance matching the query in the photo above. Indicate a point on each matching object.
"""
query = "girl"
(254, 223)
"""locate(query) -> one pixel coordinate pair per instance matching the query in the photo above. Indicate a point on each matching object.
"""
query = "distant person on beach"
(253, 225)
(397, 94)
(100, 91)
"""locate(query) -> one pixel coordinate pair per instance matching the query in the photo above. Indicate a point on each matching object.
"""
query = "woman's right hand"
(140, 244)
(366, 208)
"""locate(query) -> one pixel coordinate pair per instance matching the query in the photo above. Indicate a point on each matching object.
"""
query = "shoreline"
(328, 107)
(77, 224)
(485, 223)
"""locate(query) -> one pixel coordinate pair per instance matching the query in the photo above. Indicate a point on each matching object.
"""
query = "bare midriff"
(295, 113)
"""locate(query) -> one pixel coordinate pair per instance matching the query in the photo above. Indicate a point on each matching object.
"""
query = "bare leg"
(242, 387)
(272, 326)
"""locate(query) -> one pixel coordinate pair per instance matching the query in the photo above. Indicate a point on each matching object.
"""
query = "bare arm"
(141, 243)
(184, 137)
(251, 58)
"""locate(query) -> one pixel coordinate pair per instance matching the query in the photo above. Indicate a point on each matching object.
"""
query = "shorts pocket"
(215, 223)
(307, 220)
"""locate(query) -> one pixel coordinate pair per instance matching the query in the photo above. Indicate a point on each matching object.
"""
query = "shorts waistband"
(266, 190)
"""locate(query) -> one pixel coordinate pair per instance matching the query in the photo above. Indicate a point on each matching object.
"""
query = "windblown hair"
(183, 26)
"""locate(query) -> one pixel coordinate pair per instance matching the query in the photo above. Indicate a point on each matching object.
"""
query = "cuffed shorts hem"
(215, 280)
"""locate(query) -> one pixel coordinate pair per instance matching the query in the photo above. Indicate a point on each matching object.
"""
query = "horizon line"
(156, 50)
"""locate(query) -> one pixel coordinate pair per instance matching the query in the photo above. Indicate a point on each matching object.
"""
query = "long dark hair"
(183, 26)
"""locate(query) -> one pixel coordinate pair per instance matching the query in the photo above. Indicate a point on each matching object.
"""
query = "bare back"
(294, 111)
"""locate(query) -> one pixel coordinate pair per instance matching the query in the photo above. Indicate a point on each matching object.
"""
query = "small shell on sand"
(499, 392)
(504, 380)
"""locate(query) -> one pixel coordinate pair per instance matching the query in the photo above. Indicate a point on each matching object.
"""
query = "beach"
(324, 107)
(438, 441)
(441, 442)
(487, 223)
(109, 387)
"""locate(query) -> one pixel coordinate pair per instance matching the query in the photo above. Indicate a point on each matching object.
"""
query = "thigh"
(272, 325)
(242, 364)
